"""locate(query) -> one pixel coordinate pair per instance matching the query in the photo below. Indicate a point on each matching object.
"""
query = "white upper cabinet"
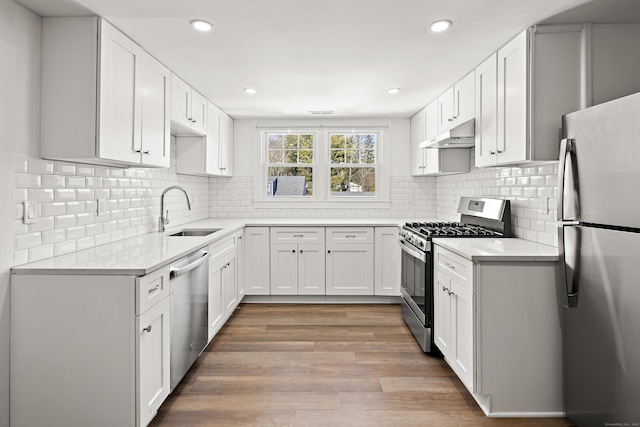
(456, 105)
(418, 155)
(548, 71)
(211, 154)
(486, 126)
(104, 99)
(523, 92)
(433, 161)
(188, 107)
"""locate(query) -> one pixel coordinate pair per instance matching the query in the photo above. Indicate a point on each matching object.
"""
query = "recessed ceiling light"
(439, 26)
(393, 90)
(249, 90)
(201, 25)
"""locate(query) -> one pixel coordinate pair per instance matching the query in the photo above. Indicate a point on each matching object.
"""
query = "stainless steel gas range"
(480, 217)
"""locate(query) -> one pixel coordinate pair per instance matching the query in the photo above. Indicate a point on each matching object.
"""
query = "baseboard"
(320, 299)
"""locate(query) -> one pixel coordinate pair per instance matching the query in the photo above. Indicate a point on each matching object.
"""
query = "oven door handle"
(413, 252)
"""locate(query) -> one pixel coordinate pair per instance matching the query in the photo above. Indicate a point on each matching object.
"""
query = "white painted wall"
(19, 118)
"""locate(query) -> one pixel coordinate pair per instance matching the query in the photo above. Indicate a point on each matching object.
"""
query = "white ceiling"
(339, 55)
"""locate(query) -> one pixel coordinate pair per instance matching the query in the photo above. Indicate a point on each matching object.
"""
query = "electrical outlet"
(544, 206)
(102, 207)
(29, 212)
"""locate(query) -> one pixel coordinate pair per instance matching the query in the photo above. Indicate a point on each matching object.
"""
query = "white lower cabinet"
(454, 331)
(297, 261)
(224, 292)
(153, 360)
(89, 349)
(256, 261)
(350, 265)
(387, 261)
(498, 326)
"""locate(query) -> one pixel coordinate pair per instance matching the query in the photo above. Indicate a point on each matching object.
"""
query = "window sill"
(343, 202)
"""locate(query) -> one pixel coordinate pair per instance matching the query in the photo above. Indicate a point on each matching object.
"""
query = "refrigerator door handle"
(569, 244)
(568, 201)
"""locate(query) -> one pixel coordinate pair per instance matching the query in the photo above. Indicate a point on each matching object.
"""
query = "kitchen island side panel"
(72, 351)
(519, 338)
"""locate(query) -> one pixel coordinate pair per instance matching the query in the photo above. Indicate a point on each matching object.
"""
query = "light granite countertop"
(143, 254)
(501, 249)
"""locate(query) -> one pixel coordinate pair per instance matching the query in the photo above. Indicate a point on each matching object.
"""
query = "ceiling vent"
(321, 112)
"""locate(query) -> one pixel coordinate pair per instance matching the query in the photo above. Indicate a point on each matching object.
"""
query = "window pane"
(337, 156)
(275, 141)
(358, 148)
(337, 141)
(291, 141)
(306, 141)
(352, 156)
(305, 156)
(290, 181)
(353, 181)
(276, 156)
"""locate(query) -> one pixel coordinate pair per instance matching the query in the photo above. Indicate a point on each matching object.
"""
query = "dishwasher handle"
(201, 257)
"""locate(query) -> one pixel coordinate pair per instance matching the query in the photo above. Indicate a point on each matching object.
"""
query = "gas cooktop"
(449, 229)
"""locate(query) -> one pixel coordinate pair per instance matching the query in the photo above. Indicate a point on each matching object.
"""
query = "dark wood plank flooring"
(322, 365)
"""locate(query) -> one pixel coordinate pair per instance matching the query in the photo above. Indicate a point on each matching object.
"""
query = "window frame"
(266, 164)
(321, 170)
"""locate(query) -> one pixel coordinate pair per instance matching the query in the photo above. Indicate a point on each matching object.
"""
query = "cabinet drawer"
(221, 247)
(349, 234)
(151, 289)
(454, 266)
(297, 234)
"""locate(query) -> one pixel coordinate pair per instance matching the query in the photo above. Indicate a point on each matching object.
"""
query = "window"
(322, 166)
(353, 164)
(290, 164)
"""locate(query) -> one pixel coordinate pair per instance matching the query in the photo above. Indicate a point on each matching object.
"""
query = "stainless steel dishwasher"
(189, 302)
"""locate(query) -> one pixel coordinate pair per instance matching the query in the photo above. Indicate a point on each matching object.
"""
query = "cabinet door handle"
(350, 236)
(328, 252)
(451, 266)
(499, 151)
(450, 293)
(445, 289)
(146, 152)
(300, 251)
(298, 235)
(293, 251)
(148, 329)
(492, 152)
(154, 289)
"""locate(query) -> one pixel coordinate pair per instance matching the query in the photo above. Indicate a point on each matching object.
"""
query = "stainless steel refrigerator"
(599, 242)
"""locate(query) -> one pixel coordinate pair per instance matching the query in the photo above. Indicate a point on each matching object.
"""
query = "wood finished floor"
(322, 365)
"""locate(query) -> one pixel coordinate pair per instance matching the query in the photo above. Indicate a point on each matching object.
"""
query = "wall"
(531, 188)
(66, 195)
(19, 101)
(409, 197)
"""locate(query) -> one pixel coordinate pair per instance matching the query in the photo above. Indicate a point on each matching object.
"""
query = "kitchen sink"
(195, 232)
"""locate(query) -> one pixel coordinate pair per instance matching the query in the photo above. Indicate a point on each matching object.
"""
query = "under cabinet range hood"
(461, 136)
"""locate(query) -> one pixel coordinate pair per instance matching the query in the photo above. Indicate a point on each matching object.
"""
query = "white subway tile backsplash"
(53, 181)
(75, 182)
(27, 240)
(63, 195)
(21, 164)
(65, 221)
(28, 180)
(53, 236)
(40, 252)
(42, 224)
(40, 166)
(85, 170)
(40, 195)
(64, 247)
(84, 194)
(76, 232)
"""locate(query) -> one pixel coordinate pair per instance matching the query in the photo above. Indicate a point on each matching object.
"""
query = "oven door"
(415, 281)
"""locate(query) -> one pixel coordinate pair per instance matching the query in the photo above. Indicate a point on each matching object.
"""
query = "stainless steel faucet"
(164, 218)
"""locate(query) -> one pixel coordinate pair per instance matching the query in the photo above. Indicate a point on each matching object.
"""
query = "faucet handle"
(166, 217)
